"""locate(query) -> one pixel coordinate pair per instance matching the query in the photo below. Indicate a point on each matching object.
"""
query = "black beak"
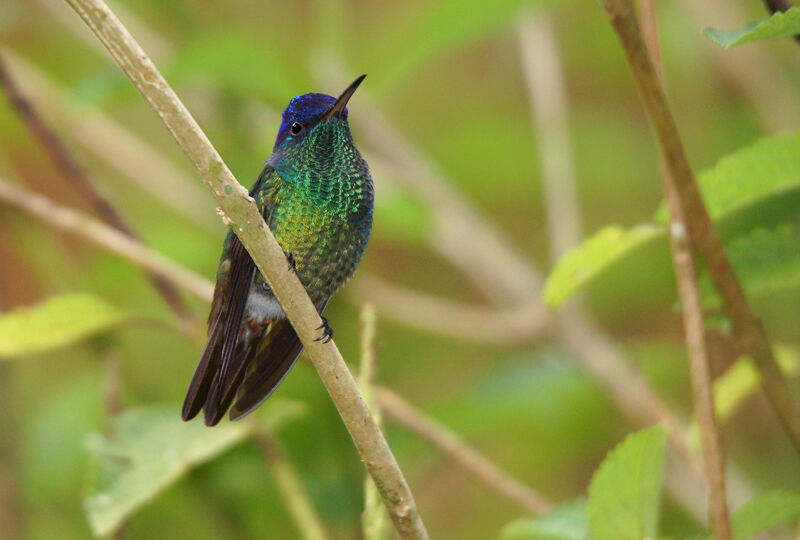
(338, 107)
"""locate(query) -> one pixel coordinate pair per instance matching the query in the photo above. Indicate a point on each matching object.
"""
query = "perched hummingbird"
(315, 194)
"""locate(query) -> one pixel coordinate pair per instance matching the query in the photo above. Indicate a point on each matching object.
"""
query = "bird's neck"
(327, 169)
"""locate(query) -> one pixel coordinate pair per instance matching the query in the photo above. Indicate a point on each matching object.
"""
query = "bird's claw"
(327, 331)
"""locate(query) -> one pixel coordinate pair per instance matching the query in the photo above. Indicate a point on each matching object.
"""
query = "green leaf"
(57, 322)
(150, 449)
(566, 522)
(778, 25)
(626, 489)
(765, 260)
(763, 512)
(597, 253)
(746, 177)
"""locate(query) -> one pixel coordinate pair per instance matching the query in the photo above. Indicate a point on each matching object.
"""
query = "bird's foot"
(292, 264)
(327, 331)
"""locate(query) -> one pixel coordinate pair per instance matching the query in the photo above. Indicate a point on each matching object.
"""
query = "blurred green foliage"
(447, 73)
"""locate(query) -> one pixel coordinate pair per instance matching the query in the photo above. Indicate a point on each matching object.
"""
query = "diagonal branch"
(102, 235)
(470, 459)
(747, 329)
(245, 220)
(133, 157)
(694, 325)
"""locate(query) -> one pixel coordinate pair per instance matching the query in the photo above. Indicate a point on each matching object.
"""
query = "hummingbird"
(315, 194)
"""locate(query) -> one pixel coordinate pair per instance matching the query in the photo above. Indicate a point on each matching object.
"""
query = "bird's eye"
(296, 128)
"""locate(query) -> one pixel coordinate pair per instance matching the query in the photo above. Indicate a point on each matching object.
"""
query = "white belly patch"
(262, 307)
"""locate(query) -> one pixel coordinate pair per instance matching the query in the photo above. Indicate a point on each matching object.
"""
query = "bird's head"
(311, 125)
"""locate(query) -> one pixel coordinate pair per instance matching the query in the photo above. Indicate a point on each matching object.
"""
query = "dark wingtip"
(190, 407)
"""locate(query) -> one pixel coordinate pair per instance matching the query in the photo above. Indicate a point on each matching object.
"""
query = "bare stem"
(373, 519)
(451, 444)
(434, 314)
(713, 459)
(694, 324)
(294, 495)
(548, 105)
(747, 328)
(69, 167)
(246, 221)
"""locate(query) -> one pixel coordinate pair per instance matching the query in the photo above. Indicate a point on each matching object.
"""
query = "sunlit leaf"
(763, 512)
(150, 449)
(780, 24)
(749, 175)
(57, 322)
(765, 261)
(595, 254)
(625, 491)
(567, 522)
(746, 177)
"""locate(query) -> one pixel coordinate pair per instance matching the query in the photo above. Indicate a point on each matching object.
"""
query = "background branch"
(702, 235)
(122, 150)
(373, 520)
(246, 221)
(69, 220)
(452, 445)
(66, 163)
(694, 324)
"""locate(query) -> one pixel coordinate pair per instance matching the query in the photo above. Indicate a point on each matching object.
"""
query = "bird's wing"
(276, 356)
(223, 349)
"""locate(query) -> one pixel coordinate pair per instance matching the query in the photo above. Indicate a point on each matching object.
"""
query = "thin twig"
(130, 155)
(747, 328)
(541, 66)
(294, 495)
(69, 167)
(693, 321)
(433, 314)
(451, 444)
(373, 518)
(598, 353)
(714, 463)
(249, 226)
(69, 220)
